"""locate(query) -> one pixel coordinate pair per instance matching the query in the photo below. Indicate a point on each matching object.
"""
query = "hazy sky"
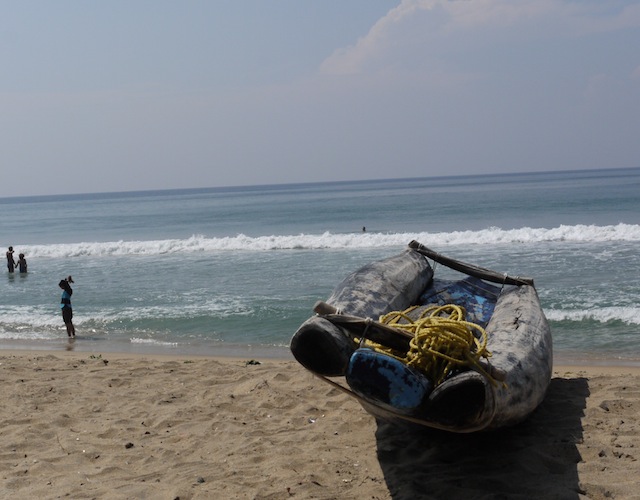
(151, 94)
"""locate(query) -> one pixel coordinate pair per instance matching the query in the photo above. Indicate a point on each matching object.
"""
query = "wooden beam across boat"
(470, 269)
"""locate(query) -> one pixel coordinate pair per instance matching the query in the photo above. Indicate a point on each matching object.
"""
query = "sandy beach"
(82, 425)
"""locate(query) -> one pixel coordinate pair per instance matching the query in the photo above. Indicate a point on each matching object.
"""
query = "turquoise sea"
(234, 271)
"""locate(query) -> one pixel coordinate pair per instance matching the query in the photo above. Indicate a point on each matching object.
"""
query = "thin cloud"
(352, 59)
(434, 22)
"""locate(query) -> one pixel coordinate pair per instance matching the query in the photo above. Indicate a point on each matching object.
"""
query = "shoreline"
(224, 351)
(90, 345)
(126, 425)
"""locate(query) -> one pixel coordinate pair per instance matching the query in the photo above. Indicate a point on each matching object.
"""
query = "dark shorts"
(67, 314)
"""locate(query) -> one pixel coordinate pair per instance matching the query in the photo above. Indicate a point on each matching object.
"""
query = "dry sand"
(77, 425)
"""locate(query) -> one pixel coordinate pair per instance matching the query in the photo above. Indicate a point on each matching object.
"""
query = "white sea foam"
(242, 242)
(136, 340)
(627, 315)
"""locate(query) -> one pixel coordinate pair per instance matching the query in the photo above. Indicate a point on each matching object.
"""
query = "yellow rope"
(442, 341)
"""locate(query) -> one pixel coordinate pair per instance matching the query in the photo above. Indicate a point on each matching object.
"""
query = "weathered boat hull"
(376, 289)
(518, 333)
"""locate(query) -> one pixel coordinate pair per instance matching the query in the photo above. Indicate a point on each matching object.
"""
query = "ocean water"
(234, 271)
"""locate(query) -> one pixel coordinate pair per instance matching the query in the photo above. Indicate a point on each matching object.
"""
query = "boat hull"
(519, 339)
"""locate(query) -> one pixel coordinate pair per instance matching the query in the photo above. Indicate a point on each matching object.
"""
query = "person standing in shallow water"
(65, 305)
(11, 264)
(22, 263)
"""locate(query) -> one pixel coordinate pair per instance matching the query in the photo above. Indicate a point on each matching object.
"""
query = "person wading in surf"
(65, 305)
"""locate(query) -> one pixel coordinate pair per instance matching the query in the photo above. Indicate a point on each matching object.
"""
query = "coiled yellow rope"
(442, 341)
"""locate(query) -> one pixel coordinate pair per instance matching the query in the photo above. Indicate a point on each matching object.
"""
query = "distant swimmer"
(11, 264)
(65, 305)
(22, 263)
(364, 229)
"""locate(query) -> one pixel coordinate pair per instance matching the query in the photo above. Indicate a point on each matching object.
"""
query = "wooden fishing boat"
(461, 355)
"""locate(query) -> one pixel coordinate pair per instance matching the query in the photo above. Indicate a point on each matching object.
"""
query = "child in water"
(22, 263)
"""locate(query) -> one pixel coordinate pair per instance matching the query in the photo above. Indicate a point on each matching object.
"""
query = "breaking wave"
(241, 242)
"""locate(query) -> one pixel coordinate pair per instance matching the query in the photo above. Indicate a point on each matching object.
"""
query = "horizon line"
(308, 183)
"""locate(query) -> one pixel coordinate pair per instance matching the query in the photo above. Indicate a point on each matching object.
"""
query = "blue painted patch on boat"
(387, 381)
(477, 297)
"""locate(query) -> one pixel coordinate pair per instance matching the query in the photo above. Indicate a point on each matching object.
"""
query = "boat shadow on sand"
(535, 459)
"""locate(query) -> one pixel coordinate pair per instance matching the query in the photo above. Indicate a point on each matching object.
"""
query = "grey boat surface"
(501, 388)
